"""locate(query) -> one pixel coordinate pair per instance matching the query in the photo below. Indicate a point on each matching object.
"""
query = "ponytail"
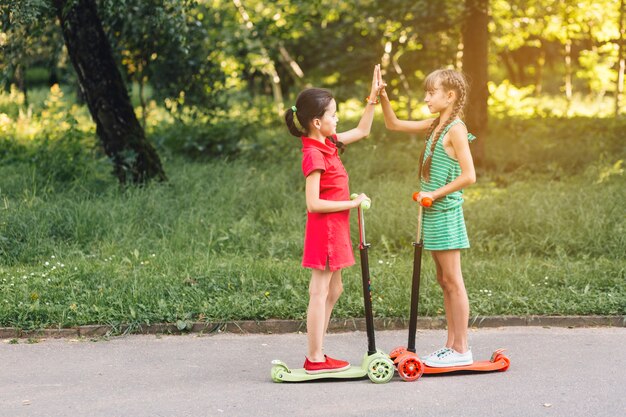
(291, 123)
(340, 145)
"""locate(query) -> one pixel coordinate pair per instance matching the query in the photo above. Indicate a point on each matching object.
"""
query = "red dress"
(327, 235)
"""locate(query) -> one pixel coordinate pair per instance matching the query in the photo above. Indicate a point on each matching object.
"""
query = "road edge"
(294, 326)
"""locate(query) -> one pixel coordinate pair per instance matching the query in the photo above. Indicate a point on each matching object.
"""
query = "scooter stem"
(418, 235)
(367, 290)
(415, 286)
(362, 242)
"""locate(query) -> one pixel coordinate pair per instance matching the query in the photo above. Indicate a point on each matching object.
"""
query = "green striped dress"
(443, 225)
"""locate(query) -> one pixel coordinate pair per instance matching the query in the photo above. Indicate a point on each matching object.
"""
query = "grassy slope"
(223, 239)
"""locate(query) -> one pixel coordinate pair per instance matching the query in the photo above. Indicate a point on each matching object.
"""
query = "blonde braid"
(450, 80)
(430, 131)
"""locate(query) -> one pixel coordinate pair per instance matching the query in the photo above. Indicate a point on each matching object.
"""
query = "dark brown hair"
(310, 104)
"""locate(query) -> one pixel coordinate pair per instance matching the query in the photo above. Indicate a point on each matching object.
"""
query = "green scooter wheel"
(380, 370)
(277, 372)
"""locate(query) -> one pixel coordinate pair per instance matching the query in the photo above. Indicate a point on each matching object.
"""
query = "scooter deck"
(299, 375)
(498, 362)
(411, 367)
(377, 366)
(477, 366)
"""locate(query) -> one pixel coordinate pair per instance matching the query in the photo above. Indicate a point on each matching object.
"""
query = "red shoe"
(329, 365)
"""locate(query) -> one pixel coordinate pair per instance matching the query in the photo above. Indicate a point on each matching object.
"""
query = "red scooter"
(409, 365)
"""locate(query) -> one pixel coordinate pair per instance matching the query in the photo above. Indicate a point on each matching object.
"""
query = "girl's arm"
(393, 123)
(314, 204)
(365, 124)
(458, 139)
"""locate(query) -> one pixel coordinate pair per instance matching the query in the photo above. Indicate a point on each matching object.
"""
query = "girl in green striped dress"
(445, 168)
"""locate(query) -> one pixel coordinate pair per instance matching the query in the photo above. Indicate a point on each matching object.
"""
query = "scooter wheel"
(277, 373)
(380, 370)
(410, 368)
(502, 358)
(397, 352)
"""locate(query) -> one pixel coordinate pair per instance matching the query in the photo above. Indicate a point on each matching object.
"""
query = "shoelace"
(447, 352)
(443, 352)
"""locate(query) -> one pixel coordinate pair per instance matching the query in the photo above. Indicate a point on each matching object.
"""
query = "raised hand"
(381, 84)
(375, 82)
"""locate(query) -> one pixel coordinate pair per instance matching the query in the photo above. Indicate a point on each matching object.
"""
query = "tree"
(475, 40)
(134, 158)
(267, 63)
(619, 89)
(26, 41)
(172, 46)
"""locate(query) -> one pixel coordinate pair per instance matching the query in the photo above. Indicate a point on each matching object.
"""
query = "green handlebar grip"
(365, 204)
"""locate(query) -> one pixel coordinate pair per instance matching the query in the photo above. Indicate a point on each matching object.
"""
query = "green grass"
(223, 238)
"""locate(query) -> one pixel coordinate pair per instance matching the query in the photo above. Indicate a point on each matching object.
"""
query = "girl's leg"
(446, 303)
(457, 310)
(334, 291)
(316, 313)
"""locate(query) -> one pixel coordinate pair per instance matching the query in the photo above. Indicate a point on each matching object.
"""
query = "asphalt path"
(554, 372)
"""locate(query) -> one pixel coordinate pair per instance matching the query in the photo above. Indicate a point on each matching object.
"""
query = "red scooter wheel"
(410, 368)
(502, 358)
(508, 363)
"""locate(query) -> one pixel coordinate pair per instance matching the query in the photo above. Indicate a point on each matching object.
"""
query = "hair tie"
(294, 109)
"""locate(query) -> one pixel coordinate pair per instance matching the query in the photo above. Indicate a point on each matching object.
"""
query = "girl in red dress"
(327, 245)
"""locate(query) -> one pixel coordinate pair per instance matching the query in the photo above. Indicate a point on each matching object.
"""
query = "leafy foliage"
(222, 138)
(27, 40)
(165, 43)
(204, 54)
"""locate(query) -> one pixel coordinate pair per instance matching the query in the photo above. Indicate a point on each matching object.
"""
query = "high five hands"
(380, 83)
(377, 83)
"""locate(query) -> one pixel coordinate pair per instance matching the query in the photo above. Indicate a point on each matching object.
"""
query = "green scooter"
(375, 364)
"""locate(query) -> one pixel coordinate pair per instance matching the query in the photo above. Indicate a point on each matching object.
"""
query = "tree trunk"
(404, 81)
(142, 98)
(619, 90)
(270, 68)
(53, 64)
(505, 58)
(20, 81)
(387, 59)
(290, 64)
(475, 39)
(134, 158)
(541, 62)
(568, 71)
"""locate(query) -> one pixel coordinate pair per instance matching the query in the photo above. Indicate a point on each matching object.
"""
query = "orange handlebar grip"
(426, 201)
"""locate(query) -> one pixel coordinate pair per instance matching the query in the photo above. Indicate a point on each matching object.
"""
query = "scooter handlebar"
(425, 202)
(365, 204)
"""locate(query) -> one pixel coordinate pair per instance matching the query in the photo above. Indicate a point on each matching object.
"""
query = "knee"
(451, 283)
(440, 279)
(335, 292)
(319, 292)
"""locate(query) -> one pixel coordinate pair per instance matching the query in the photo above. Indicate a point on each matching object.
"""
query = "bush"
(217, 139)
(555, 147)
(11, 102)
(63, 160)
(54, 142)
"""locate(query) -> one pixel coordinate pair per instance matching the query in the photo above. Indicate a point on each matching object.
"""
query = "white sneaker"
(435, 353)
(450, 358)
